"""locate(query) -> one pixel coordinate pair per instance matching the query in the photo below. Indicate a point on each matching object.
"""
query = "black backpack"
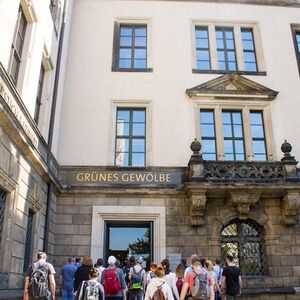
(136, 279)
(38, 284)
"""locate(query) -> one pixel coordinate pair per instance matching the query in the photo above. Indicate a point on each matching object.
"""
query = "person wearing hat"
(113, 281)
(136, 275)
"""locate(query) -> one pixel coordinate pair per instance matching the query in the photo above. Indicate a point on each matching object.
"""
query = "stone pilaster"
(290, 206)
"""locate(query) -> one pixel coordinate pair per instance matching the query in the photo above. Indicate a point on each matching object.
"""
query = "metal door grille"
(243, 239)
(2, 209)
(27, 256)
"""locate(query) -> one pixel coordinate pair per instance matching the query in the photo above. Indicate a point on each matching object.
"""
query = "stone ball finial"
(195, 146)
(286, 148)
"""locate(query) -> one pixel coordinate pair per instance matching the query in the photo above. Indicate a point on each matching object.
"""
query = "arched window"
(244, 240)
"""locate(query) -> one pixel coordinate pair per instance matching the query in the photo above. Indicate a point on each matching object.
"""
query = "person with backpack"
(231, 278)
(170, 278)
(212, 284)
(136, 284)
(99, 266)
(195, 284)
(127, 268)
(180, 276)
(190, 267)
(113, 281)
(218, 271)
(39, 280)
(157, 288)
(82, 272)
(90, 289)
(149, 275)
(66, 281)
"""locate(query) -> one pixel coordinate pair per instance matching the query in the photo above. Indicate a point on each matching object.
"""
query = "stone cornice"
(283, 3)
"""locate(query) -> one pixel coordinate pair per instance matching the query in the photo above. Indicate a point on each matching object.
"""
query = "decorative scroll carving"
(197, 208)
(243, 200)
(291, 204)
(237, 171)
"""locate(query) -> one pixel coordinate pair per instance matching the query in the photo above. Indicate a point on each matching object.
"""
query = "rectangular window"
(17, 45)
(233, 135)
(258, 135)
(130, 137)
(28, 241)
(39, 94)
(226, 49)
(202, 48)
(132, 47)
(2, 209)
(248, 49)
(296, 36)
(208, 135)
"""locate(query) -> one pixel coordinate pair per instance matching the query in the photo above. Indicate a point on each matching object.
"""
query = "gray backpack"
(38, 285)
(199, 290)
(91, 291)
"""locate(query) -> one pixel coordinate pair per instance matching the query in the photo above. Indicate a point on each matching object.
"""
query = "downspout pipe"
(51, 128)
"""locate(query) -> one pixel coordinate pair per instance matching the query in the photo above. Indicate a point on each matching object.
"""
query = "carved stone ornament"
(232, 86)
(291, 204)
(197, 208)
(242, 200)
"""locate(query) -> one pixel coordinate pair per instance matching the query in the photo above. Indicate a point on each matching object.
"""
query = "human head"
(132, 259)
(153, 267)
(166, 264)
(41, 255)
(194, 258)
(202, 260)
(183, 261)
(111, 260)
(100, 262)
(87, 261)
(180, 270)
(208, 265)
(77, 260)
(140, 260)
(229, 258)
(196, 263)
(93, 273)
(70, 260)
(217, 261)
(160, 271)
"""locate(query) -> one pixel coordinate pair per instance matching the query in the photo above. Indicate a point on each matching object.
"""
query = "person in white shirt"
(170, 278)
(159, 283)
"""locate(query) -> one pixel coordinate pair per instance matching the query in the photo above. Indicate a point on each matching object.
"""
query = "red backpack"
(111, 282)
(179, 284)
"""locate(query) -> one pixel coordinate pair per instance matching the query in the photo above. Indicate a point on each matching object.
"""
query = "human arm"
(26, 288)
(240, 282)
(52, 286)
(184, 290)
(123, 283)
(223, 282)
(211, 285)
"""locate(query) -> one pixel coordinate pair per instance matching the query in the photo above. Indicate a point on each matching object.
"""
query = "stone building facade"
(110, 159)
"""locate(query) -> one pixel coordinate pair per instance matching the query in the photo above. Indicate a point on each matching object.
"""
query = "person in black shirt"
(231, 278)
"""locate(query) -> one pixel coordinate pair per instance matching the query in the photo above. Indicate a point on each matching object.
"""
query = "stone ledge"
(271, 290)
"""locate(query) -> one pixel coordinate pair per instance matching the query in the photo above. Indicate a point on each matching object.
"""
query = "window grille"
(244, 240)
(2, 209)
(28, 242)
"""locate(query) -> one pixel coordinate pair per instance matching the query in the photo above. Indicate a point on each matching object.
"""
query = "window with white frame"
(227, 47)
(234, 134)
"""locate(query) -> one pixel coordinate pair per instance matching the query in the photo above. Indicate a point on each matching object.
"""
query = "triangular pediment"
(233, 86)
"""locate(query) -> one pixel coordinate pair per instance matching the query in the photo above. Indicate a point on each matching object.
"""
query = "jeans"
(114, 298)
(217, 296)
(68, 294)
(135, 295)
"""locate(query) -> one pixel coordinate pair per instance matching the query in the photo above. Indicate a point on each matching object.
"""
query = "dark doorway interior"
(127, 238)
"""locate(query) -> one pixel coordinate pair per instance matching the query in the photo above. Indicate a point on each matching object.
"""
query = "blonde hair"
(208, 265)
(160, 271)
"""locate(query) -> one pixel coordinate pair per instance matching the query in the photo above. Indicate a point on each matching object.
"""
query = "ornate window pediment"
(232, 86)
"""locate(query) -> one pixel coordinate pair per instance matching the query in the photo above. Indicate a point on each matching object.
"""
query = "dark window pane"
(125, 41)
(138, 129)
(139, 116)
(125, 63)
(140, 64)
(138, 159)
(2, 210)
(123, 115)
(140, 41)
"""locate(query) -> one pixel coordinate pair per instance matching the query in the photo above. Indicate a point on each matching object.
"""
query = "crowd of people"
(83, 280)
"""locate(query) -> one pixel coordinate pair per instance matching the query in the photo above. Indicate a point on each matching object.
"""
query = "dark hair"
(166, 264)
(229, 257)
(70, 260)
(132, 259)
(160, 271)
(77, 259)
(100, 262)
(93, 273)
(202, 260)
(180, 270)
(217, 261)
(183, 261)
(41, 254)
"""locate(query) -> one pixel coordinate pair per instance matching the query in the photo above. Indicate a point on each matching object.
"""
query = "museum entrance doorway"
(129, 238)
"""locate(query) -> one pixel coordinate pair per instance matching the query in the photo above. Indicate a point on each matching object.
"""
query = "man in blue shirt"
(67, 279)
